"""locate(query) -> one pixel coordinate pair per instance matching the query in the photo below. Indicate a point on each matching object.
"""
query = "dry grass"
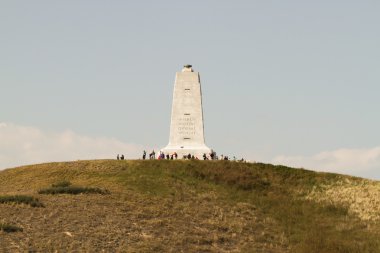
(180, 206)
(362, 197)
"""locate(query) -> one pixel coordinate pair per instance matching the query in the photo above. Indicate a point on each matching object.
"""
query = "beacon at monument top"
(187, 68)
(186, 125)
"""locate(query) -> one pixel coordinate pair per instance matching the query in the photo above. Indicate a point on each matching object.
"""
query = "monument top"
(187, 68)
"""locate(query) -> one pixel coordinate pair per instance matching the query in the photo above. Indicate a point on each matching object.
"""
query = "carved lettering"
(186, 126)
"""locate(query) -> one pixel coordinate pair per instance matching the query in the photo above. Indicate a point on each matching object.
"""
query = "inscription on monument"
(186, 126)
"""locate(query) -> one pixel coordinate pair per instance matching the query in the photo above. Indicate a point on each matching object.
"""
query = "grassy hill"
(186, 206)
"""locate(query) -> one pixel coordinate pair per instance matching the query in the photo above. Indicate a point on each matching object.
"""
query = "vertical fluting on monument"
(186, 125)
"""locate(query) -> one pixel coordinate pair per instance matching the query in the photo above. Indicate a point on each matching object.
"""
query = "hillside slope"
(190, 206)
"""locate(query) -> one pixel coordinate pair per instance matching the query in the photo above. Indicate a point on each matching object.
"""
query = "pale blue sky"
(282, 81)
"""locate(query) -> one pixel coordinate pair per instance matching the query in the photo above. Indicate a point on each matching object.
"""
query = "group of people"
(152, 156)
(174, 156)
(120, 157)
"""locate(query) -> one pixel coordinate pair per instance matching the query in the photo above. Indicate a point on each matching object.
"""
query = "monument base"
(182, 151)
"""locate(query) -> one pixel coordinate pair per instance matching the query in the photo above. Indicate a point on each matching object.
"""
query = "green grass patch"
(9, 228)
(277, 191)
(21, 199)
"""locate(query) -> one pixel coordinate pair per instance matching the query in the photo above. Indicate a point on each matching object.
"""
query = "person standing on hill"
(153, 155)
(144, 155)
(117, 157)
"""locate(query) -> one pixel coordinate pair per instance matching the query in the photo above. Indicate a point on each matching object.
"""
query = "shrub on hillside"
(21, 199)
(9, 228)
(65, 187)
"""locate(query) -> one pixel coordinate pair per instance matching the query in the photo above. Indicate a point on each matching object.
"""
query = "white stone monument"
(186, 127)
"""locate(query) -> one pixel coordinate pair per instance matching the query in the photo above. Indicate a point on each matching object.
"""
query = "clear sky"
(284, 82)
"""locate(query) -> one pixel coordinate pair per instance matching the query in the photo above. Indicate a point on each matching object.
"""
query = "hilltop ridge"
(190, 206)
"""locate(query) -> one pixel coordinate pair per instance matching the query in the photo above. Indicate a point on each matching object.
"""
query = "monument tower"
(186, 127)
